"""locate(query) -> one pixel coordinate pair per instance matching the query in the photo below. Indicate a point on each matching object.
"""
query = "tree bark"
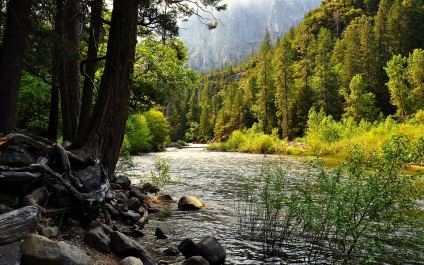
(16, 224)
(11, 62)
(93, 42)
(68, 28)
(106, 132)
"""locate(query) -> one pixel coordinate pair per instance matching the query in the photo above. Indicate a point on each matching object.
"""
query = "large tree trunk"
(106, 132)
(14, 43)
(68, 27)
(93, 42)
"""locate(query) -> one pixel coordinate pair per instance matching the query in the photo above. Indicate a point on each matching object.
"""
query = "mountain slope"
(240, 31)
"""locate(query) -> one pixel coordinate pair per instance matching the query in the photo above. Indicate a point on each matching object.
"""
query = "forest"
(350, 67)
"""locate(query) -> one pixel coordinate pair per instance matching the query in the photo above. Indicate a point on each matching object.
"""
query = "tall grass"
(362, 212)
(326, 136)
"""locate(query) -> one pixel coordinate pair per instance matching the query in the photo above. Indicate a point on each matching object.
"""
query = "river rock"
(97, 239)
(90, 178)
(131, 261)
(172, 251)
(164, 231)
(124, 182)
(137, 193)
(115, 186)
(50, 231)
(107, 229)
(189, 203)
(150, 188)
(133, 204)
(121, 197)
(131, 215)
(123, 245)
(11, 254)
(39, 250)
(111, 210)
(209, 248)
(196, 260)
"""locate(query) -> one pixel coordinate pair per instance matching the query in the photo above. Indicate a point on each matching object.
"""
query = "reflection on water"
(215, 178)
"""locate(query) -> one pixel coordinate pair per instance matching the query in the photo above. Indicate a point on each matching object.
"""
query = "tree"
(284, 82)
(415, 75)
(360, 104)
(398, 86)
(11, 59)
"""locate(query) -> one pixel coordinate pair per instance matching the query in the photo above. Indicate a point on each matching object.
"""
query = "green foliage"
(33, 103)
(364, 211)
(137, 135)
(160, 177)
(159, 129)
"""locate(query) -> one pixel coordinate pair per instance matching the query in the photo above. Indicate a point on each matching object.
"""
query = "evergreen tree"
(415, 75)
(360, 104)
(398, 86)
(284, 83)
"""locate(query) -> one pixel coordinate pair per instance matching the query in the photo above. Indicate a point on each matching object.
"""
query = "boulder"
(131, 261)
(50, 231)
(189, 203)
(123, 245)
(172, 251)
(39, 250)
(97, 238)
(196, 260)
(107, 229)
(124, 182)
(11, 254)
(133, 204)
(90, 178)
(115, 186)
(164, 231)
(209, 248)
(137, 193)
(121, 198)
(131, 215)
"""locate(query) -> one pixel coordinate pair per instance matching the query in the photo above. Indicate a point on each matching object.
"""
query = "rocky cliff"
(240, 31)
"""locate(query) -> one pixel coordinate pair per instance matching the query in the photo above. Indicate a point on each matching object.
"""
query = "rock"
(131, 215)
(165, 198)
(115, 186)
(121, 197)
(189, 203)
(172, 251)
(107, 229)
(209, 248)
(133, 204)
(97, 238)
(39, 250)
(135, 192)
(131, 261)
(150, 188)
(50, 231)
(125, 182)
(73, 222)
(123, 245)
(121, 207)
(164, 231)
(11, 254)
(15, 156)
(111, 210)
(196, 260)
(90, 178)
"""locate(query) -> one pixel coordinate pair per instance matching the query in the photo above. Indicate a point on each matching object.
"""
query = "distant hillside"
(240, 31)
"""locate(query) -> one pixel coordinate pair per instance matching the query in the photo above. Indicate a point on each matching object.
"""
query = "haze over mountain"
(240, 31)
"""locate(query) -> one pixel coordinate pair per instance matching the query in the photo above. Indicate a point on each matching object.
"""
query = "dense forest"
(351, 60)
(348, 61)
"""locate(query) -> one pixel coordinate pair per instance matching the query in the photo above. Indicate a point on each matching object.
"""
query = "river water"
(216, 178)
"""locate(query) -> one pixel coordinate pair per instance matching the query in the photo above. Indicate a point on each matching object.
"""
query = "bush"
(159, 129)
(138, 134)
(364, 211)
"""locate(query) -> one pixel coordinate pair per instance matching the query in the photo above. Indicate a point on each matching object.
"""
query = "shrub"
(159, 129)
(138, 134)
(363, 211)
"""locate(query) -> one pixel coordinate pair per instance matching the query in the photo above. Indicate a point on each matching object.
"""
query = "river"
(216, 178)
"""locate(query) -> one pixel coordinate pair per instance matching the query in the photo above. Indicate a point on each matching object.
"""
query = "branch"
(92, 60)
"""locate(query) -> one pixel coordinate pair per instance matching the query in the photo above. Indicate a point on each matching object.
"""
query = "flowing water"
(216, 178)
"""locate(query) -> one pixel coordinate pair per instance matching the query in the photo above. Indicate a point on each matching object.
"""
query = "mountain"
(240, 30)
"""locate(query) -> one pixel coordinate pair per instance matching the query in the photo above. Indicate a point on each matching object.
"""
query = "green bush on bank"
(326, 136)
(252, 141)
(146, 132)
(364, 211)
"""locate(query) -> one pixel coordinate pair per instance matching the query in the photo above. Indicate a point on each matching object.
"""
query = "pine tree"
(415, 75)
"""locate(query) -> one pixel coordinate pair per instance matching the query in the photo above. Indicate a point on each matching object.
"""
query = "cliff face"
(240, 31)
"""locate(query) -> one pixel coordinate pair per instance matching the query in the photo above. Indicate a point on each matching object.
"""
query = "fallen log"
(16, 224)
